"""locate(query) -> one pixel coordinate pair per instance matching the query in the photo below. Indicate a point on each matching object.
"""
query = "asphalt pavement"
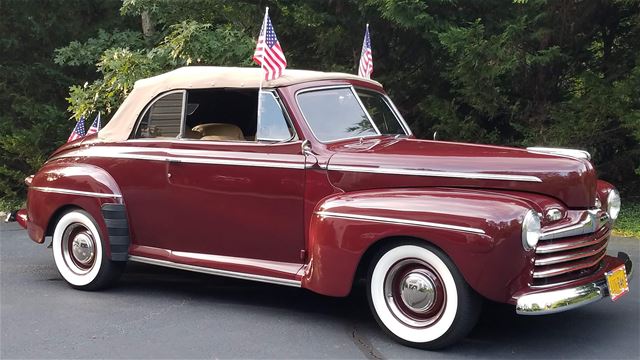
(163, 313)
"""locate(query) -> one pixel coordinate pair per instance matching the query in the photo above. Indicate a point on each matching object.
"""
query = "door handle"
(173, 161)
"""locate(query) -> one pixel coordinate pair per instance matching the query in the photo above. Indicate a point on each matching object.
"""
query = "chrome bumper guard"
(555, 301)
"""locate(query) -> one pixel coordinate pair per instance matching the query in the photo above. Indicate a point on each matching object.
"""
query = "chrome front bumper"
(555, 301)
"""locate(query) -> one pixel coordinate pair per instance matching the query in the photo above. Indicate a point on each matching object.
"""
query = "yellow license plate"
(617, 281)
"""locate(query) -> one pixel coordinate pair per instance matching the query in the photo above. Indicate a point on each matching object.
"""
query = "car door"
(239, 200)
(139, 166)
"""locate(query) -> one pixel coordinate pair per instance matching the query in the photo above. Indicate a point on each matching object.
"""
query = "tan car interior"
(216, 131)
(221, 114)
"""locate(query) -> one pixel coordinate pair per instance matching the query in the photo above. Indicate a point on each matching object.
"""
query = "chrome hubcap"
(417, 291)
(82, 248)
(79, 248)
(414, 293)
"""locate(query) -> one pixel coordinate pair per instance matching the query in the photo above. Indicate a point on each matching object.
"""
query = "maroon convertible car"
(325, 187)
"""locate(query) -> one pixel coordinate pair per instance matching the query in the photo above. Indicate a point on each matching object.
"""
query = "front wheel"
(418, 296)
(79, 253)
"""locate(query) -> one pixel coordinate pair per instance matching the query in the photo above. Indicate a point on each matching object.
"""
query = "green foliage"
(33, 120)
(88, 53)
(190, 42)
(120, 69)
(520, 72)
(185, 43)
(628, 224)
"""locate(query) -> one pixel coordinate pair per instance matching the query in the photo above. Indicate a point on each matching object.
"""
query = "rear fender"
(62, 185)
(481, 232)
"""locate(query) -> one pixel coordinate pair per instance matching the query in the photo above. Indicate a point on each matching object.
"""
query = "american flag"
(269, 53)
(366, 61)
(95, 127)
(78, 131)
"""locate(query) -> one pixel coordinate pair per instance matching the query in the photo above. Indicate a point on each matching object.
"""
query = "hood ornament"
(575, 153)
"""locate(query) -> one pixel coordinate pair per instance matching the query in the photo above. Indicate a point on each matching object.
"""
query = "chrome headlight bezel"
(613, 204)
(531, 230)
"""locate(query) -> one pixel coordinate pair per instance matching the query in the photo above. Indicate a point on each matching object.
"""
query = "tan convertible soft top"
(199, 77)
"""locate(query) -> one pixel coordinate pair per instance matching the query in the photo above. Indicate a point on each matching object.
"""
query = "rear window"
(163, 118)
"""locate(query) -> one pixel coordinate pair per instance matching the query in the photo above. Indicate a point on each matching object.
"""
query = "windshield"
(380, 112)
(338, 113)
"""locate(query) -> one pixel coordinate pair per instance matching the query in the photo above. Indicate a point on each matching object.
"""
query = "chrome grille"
(573, 251)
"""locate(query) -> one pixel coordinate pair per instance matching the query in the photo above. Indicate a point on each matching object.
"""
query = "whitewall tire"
(79, 252)
(418, 296)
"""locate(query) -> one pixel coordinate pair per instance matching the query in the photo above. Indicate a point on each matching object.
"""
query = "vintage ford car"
(329, 186)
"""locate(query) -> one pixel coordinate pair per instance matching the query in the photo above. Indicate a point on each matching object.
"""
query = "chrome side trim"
(560, 300)
(388, 220)
(74, 192)
(431, 173)
(174, 155)
(204, 270)
(290, 268)
(592, 222)
(236, 162)
(183, 141)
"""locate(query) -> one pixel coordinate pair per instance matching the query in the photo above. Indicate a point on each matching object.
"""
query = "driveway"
(164, 313)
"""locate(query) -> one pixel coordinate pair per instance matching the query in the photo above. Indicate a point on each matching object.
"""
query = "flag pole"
(263, 30)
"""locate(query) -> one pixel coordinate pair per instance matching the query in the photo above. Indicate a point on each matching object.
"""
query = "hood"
(392, 163)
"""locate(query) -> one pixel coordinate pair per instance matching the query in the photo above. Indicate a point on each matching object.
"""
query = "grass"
(628, 224)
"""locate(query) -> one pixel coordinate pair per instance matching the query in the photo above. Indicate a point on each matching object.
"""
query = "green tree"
(521, 72)
(33, 120)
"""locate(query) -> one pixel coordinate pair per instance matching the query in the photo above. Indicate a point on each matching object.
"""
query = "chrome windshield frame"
(355, 93)
(387, 100)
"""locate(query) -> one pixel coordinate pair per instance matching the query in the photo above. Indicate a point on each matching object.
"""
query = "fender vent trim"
(115, 217)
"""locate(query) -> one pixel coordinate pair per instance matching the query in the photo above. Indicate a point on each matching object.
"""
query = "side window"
(272, 124)
(163, 119)
(231, 115)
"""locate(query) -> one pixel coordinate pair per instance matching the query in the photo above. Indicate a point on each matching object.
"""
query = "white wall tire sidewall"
(395, 326)
(71, 277)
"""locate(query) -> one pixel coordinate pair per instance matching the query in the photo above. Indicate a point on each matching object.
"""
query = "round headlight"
(613, 204)
(530, 230)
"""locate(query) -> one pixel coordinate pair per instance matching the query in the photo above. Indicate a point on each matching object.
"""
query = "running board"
(226, 273)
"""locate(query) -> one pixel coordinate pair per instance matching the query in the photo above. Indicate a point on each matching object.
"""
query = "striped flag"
(366, 60)
(78, 131)
(95, 127)
(269, 54)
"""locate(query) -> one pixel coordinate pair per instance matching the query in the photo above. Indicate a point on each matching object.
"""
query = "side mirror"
(306, 148)
(310, 158)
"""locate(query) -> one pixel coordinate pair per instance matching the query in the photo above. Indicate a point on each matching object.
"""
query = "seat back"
(190, 134)
(219, 131)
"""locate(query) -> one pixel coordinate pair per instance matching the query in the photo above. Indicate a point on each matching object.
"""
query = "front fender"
(480, 231)
(62, 184)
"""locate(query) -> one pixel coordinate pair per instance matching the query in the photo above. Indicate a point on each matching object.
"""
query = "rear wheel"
(418, 296)
(79, 253)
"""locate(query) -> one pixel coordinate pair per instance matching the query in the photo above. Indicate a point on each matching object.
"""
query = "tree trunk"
(148, 28)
